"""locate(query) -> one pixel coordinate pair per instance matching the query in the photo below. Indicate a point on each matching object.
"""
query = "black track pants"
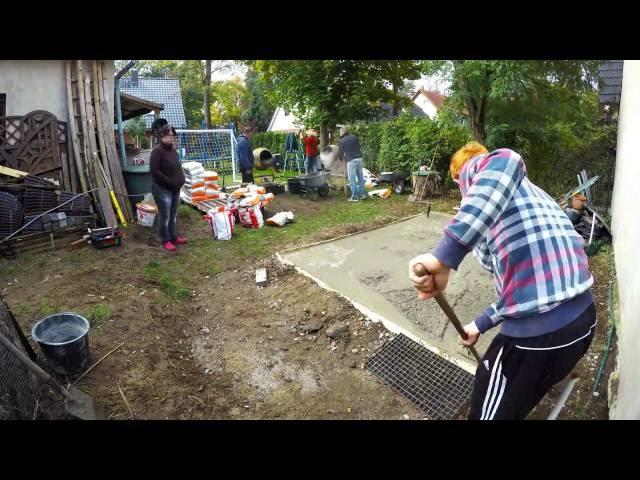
(522, 370)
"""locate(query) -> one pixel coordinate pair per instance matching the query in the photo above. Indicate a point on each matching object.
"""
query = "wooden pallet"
(207, 205)
(43, 241)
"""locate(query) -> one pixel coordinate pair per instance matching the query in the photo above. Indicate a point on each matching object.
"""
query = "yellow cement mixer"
(262, 159)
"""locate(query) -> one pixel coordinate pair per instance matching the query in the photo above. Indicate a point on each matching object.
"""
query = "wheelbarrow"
(313, 185)
(398, 180)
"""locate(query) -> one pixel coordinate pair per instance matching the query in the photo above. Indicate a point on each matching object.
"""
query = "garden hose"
(612, 328)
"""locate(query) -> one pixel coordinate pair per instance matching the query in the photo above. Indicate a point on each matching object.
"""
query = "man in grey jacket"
(351, 152)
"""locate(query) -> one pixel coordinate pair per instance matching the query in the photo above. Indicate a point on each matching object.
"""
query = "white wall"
(427, 107)
(40, 85)
(34, 85)
(626, 235)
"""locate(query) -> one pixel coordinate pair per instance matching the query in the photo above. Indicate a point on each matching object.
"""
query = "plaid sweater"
(521, 235)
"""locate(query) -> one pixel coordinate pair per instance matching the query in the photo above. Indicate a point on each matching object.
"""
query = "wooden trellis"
(36, 143)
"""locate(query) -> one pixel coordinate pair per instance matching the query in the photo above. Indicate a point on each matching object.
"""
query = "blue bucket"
(64, 340)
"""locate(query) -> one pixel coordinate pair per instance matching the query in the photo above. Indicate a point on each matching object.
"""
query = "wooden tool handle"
(33, 367)
(421, 271)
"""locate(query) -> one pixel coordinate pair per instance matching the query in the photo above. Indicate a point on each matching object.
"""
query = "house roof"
(433, 97)
(611, 85)
(133, 107)
(283, 121)
(164, 91)
(416, 111)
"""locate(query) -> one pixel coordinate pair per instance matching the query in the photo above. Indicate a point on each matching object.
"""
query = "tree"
(396, 72)
(207, 92)
(135, 128)
(229, 101)
(259, 109)
(477, 86)
(327, 92)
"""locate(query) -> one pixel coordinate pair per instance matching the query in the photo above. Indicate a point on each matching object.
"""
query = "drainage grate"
(434, 385)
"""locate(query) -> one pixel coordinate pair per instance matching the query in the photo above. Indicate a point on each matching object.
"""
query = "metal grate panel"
(437, 387)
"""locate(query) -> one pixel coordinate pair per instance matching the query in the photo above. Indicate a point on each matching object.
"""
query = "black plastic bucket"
(64, 340)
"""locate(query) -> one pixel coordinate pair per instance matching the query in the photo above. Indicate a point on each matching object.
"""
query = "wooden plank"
(91, 131)
(98, 116)
(114, 164)
(73, 171)
(11, 172)
(105, 200)
(107, 208)
(114, 167)
(73, 130)
(63, 161)
(118, 181)
(111, 167)
(91, 182)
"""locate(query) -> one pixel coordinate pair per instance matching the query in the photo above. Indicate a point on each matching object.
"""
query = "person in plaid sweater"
(544, 303)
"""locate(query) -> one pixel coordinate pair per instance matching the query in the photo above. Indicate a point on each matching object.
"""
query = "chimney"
(134, 77)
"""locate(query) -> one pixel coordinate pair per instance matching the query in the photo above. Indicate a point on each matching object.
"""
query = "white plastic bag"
(280, 219)
(222, 225)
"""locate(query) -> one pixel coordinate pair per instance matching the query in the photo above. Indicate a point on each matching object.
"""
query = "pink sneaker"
(169, 246)
(180, 241)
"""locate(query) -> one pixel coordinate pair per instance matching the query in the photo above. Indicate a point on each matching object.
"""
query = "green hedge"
(407, 142)
(272, 141)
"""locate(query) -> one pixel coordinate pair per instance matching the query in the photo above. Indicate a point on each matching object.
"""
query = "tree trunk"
(394, 107)
(476, 118)
(324, 135)
(477, 129)
(207, 92)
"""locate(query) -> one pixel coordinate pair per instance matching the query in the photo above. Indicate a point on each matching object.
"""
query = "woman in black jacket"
(167, 179)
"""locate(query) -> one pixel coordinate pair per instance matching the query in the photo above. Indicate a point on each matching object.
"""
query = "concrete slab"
(370, 270)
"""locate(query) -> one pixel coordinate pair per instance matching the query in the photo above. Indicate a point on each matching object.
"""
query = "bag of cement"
(251, 217)
(382, 193)
(192, 166)
(280, 219)
(188, 179)
(250, 200)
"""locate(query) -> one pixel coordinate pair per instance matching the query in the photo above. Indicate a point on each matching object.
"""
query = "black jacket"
(166, 170)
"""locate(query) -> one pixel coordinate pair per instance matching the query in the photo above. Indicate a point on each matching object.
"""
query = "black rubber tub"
(64, 340)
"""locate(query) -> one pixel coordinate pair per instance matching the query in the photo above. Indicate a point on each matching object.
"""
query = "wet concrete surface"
(370, 269)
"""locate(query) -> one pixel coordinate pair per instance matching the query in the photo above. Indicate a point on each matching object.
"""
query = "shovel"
(446, 308)
(77, 403)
